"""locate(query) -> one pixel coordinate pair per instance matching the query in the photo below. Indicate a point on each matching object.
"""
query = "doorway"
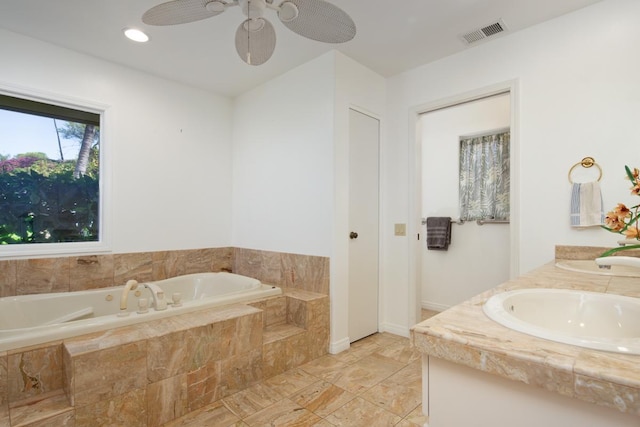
(499, 241)
(364, 153)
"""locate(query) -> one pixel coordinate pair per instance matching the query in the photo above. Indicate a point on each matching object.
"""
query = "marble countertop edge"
(465, 335)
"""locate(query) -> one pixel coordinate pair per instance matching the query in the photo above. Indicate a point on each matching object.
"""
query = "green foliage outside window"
(50, 201)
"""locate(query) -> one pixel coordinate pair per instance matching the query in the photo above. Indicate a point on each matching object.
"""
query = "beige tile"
(168, 355)
(291, 382)
(8, 278)
(34, 372)
(54, 410)
(324, 367)
(297, 350)
(36, 276)
(415, 418)
(105, 374)
(91, 272)
(310, 273)
(275, 311)
(274, 361)
(214, 415)
(322, 398)
(198, 260)
(4, 392)
(240, 372)
(241, 335)
(360, 413)
(396, 398)
(133, 266)
(204, 385)
(167, 264)
(167, 400)
(400, 351)
(253, 399)
(364, 373)
(127, 409)
(222, 259)
(285, 413)
(263, 265)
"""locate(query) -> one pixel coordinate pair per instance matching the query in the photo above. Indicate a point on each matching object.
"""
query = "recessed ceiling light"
(136, 35)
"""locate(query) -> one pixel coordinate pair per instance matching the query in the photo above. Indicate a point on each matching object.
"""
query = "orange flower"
(621, 211)
(635, 190)
(632, 233)
(635, 173)
(613, 221)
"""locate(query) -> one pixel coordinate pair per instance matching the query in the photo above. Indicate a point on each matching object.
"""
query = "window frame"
(103, 244)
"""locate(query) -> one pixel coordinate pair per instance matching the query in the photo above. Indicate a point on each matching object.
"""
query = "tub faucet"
(158, 296)
(131, 285)
(608, 261)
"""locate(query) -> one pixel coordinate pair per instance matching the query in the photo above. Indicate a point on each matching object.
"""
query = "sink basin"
(587, 319)
(589, 266)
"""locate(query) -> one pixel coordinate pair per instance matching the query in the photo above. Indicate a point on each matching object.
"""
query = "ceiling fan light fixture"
(215, 6)
(288, 11)
(136, 35)
(253, 25)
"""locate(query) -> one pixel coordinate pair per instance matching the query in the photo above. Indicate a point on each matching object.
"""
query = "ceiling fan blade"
(182, 12)
(255, 41)
(317, 20)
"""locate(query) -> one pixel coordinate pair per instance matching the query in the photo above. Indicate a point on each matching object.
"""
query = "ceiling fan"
(255, 37)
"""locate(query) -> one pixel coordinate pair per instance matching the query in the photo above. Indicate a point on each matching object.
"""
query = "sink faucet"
(608, 261)
(158, 296)
(131, 285)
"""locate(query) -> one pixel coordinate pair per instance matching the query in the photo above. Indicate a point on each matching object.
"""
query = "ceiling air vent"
(484, 32)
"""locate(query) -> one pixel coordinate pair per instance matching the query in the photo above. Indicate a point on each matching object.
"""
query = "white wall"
(169, 145)
(290, 166)
(283, 162)
(359, 88)
(478, 257)
(578, 95)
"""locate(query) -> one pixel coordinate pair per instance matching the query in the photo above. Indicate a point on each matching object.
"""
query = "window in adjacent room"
(49, 176)
(484, 176)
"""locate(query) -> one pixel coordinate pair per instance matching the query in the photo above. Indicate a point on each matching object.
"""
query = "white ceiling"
(392, 36)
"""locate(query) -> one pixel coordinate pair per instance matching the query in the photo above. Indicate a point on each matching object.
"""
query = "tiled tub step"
(52, 409)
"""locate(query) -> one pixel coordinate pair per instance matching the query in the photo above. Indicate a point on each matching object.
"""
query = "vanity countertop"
(464, 335)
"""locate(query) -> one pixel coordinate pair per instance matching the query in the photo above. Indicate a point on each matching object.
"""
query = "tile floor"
(377, 382)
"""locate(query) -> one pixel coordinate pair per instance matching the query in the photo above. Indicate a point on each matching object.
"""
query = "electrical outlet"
(400, 229)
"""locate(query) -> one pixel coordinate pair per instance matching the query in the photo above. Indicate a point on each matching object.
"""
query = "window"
(484, 176)
(50, 177)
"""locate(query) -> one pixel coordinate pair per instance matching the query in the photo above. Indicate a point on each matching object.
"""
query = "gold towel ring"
(587, 162)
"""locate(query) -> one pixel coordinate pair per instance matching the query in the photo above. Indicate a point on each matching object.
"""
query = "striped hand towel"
(587, 209)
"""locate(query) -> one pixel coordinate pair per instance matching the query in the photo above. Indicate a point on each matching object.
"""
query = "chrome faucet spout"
(131, 285)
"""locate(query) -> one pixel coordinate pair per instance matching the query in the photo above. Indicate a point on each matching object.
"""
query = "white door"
(364, 139)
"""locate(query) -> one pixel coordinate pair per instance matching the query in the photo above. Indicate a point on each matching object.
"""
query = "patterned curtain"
(484, 177)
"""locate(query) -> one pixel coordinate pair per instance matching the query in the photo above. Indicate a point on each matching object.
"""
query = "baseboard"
(336, 347)
(401, 330)
(434, 306)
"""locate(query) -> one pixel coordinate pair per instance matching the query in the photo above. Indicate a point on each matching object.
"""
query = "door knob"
(353, 235)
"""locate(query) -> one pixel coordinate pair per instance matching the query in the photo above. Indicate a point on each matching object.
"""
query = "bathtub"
(35, 319)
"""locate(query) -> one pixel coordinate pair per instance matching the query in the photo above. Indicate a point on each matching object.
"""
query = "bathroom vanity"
(476, 372)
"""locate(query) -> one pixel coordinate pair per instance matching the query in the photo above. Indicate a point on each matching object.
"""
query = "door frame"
(415, 184)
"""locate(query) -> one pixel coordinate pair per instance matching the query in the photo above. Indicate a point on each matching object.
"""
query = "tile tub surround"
(76, 273)
(152, 373)
(464, 335)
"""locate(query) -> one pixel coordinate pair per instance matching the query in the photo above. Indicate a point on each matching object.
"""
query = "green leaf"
(630, 174)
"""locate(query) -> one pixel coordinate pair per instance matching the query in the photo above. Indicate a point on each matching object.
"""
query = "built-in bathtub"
(35, 319)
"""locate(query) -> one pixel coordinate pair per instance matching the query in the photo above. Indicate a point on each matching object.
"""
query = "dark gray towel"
(438, 232)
